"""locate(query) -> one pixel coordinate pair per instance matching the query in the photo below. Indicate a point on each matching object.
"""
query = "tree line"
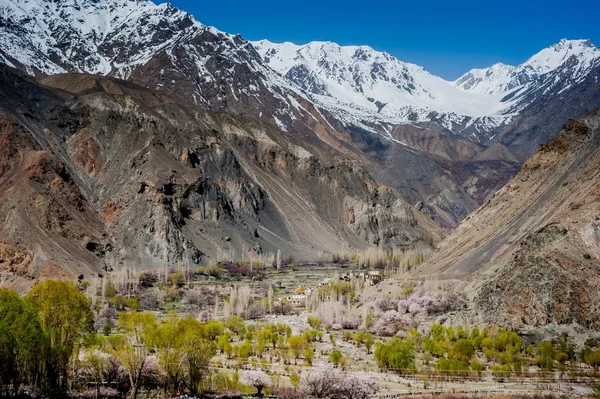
(48, 344)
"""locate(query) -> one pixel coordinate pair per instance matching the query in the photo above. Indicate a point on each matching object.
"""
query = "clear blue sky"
(446, 37)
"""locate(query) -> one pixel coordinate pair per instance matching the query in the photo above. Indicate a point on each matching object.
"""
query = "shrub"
(314, 322)
(148, 278)
(149, 300)
(172, 294)
(335, 357)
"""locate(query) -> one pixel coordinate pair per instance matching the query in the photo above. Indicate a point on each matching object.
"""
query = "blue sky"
(446, 37)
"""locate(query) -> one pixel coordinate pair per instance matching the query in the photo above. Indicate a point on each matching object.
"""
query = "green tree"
(21, 339)
(314, 322)
(66, 319)
(463, 349)
(236, 325)
(309, 355)
(297, 344)
(141, 335)
(335, 356)
(198, 351)
(397, 355)
(214, 328)
(545, 356)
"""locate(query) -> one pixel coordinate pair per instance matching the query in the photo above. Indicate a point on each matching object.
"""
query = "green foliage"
(110, 290)
(452, 366)
(295, 380)
(545, 356)
(309, 355)
(335, 357)
(214, 328)
(397, 355)
(314, 322)
(591, 357)
(66, 318)
(106, 330)
(21, 339)
(408, 290)
(369, 320)
(476, 366)
(185, 349)
(438, 332)
(213, 270)
(463, 350)
(133, 303)
(177, 279)
(141, 334)
(368, 341)
(244, 351)
(434, 347)
(501, 346)
(236, 325)
(501, 370)
(297, 344)
(312, 335)
(172, 294)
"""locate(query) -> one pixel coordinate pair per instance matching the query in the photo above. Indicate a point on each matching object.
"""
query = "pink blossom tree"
(320, 383)
(257, 379)
(356, 386)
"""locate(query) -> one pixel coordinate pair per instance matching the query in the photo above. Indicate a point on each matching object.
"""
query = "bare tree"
(320, 383)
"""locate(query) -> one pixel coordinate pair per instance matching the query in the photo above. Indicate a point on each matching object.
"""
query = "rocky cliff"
(530, 256)
(98, 173)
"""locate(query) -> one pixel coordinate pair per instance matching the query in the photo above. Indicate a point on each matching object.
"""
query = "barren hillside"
(101, 173)
(531, 254)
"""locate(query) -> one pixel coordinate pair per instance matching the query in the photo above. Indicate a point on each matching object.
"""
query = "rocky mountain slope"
(157, 46)
(531, 254)
(97, 173)
(413, 131)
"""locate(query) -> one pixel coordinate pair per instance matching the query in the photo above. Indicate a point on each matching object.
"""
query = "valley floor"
(394, 385)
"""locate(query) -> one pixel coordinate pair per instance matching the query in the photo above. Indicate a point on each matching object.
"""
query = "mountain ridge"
(125, 38)
(163, 48)
(400, 92)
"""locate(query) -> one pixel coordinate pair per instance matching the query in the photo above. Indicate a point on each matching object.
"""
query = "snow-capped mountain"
(372, 85)
(89, 36)
(316, 89)
(581, 55)
(157, 46)
(364, 78)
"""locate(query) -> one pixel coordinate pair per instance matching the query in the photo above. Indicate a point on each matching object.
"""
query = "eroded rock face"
(530, 256)
(549, 281)
(118, 175)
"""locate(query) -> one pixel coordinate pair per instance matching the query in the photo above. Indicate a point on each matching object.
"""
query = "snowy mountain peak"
(556, 55)
(491, 80)
(364, 82)
(87, 36)
(581, 55)
(162, 47)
